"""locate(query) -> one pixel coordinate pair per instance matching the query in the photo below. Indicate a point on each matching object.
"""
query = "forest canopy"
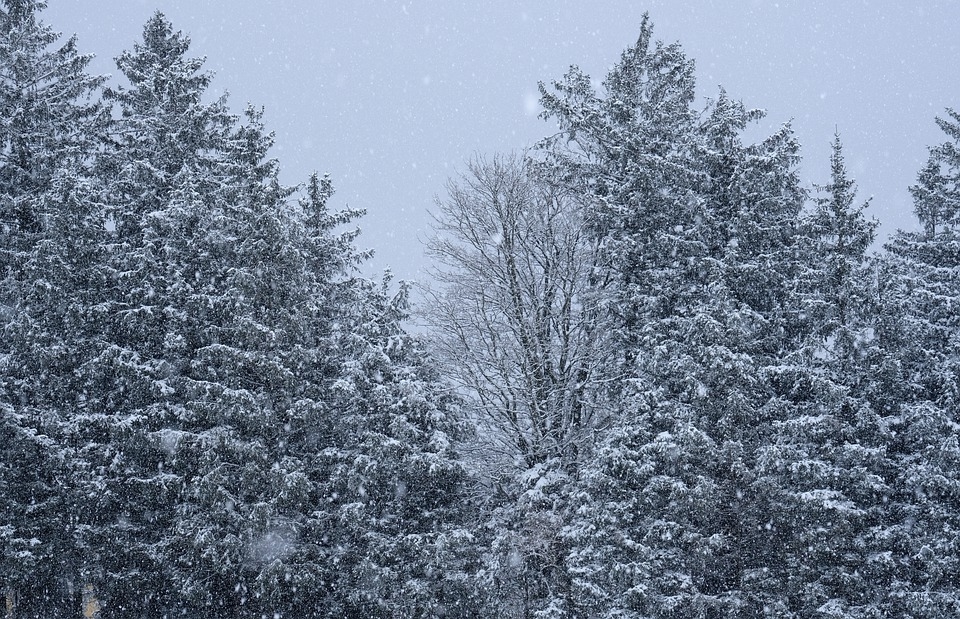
(654, 375)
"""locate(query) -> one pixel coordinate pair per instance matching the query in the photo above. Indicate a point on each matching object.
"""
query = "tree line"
(657, 376)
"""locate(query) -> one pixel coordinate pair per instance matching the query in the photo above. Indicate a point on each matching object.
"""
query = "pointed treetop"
(159, 38)
(936, 196)
(728, 118)
(159, 65)
(627, 73)
(836, 214)
(652, 75)
(842, 187)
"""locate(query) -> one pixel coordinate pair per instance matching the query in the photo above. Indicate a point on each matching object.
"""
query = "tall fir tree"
(49, 226)
(917, 390)
(700, 231)
(824, 467)
(837, 295)
(234, 319)
(393, 529)
(52, 120)
(157, 181)
(243, 295)
(54, 338)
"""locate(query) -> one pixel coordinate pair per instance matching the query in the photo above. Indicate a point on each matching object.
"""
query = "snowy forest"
(653, 375)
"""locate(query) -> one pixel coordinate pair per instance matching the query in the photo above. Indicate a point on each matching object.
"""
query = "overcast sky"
(391, 98)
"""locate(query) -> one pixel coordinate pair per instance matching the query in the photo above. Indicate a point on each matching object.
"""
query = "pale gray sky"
(392, 97)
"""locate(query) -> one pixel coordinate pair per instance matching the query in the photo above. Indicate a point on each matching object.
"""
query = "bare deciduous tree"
(514, 312)
(516, 320)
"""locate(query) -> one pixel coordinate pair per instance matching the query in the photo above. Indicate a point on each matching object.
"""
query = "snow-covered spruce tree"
(918, 378)
(517, 330)
(34, 499)
(51, 119)
(231, 440)
(835, 284)
(752, 198)
(319, 478)
(392, 527)
(52, 337)
(211, 303)
(157, 180)
(926, 262)
(698, 230)
(51, 126)
(824, 469)
(630, 151)
(627, 149)
(244, 300)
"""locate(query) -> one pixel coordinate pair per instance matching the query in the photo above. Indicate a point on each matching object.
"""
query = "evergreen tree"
(240, 295)
(234, 321)
(50, 122)
(917, 391)
(824, 467)
(628, 152)
(838, 294)
(48, 231)
(160, 183)
(53, 337)
(393, 530)
(699, 231)
(927, 262)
